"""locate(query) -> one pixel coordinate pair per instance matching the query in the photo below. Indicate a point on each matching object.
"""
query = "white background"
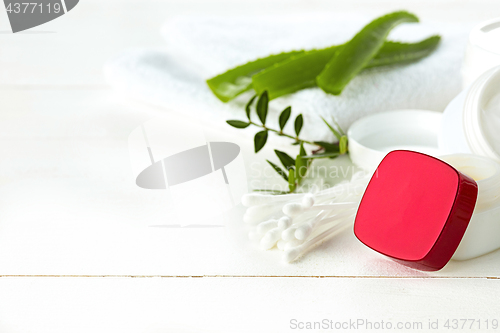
(76, 252)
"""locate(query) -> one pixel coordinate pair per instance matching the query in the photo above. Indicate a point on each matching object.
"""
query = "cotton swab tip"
(288, 234)
(264, 227)
(291, 254)
(292, 209)
(270, 239)
(308, 200)
(303, 232)
(284, 222)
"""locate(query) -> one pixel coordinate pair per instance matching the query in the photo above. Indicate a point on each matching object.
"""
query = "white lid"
(372, 137)
(486, 35)
(483, 50)
(481, 115)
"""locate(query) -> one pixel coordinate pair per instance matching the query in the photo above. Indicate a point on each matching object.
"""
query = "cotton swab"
(308, 200)
(284, 222)
(292, 254)
(306, 229)
(321, 215)
(264, 227)
(255, 214)
(293, 243)
(289, 234)
(274, 235)
(295, 209)
(281, 244)
(270, 238)
(257, 199)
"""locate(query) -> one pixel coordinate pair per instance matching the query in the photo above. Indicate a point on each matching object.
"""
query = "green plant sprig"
(296, 168)
(262, 109)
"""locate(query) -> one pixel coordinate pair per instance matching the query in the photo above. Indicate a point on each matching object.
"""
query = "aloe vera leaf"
(235, 81)
(293, 74)
(358, 52)
(300, 71)
(399, 53)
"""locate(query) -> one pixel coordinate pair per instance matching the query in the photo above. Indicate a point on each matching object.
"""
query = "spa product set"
(430, 191)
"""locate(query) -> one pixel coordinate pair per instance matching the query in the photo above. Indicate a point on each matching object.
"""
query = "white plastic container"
(471, 122)
(466, 136)
(483, 50)
(372, 137)
(483, 233)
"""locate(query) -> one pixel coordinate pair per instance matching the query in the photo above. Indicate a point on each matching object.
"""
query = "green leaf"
(338, 126)
(322, 155)
(278, 170)
(395, 53)
(247, 107)
(287, 161)
(293, 74)
(299, 121)
(329, 147)
(334, 131)
(262, 105)
(260, 140)
(300, 169)
(299, 71)
(358, 52)
(238, 123)
(291, 180)
(284, 117)
(235, 81)
(302, 150)
(276, 192)
(343, 144)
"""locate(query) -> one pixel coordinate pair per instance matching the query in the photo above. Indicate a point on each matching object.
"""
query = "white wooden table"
(76, 252)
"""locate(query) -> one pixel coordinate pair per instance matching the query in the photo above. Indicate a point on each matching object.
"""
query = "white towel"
(198, 48)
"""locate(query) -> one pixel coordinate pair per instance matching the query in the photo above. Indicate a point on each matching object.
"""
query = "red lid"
(415, 209)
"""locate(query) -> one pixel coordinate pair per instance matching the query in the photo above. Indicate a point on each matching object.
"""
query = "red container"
(415, 210)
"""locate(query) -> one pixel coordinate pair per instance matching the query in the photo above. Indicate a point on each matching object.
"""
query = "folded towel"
(200, 47)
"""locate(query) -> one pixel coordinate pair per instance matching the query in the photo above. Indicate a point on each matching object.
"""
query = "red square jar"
(415, 210)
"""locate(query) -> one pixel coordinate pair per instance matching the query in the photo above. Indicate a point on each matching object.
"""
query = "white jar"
(483, 233)
(471, 122)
